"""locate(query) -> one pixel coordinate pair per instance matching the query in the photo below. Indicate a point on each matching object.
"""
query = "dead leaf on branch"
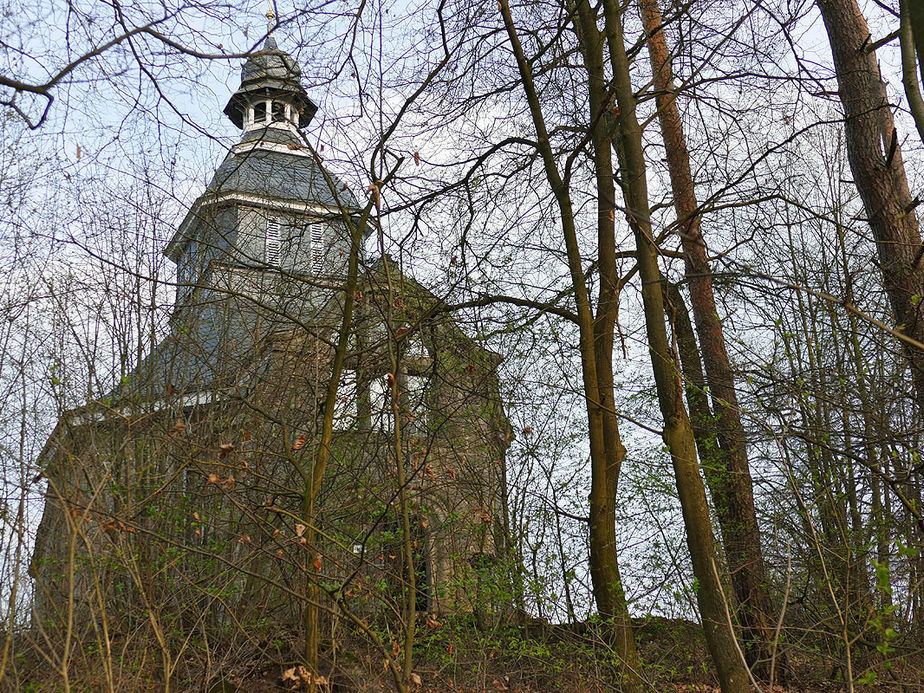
(299, 442)
(225, 449)
(376, 199)
(299, 530)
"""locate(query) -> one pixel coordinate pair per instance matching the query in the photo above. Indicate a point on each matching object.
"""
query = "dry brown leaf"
(299, 530)
(196, 516)
(416, 680)
(317, 564)
(214, 478)
(395, 648)
(225, 449)
(374, 190)
(299, 442)
(432, 622)
(178, 427)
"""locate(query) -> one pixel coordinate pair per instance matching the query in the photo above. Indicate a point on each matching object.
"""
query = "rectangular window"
(316, 237)
(273, 242)
(380, 404)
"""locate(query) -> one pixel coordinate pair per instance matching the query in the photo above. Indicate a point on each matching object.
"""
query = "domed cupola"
(271, 92)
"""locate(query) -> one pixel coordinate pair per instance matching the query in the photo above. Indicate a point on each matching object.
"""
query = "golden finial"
(270, 16)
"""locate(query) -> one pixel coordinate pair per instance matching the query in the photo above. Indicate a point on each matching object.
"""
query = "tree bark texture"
(730, 479)
(678, 432)
(876, 163)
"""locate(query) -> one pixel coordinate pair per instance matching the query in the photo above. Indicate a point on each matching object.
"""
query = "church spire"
(271, 93)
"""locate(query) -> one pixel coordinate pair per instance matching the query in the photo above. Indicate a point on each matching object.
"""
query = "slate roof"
(276, 174)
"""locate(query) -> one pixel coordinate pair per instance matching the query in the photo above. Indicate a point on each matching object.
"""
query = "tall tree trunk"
(876, 163)
(912, 51)
(731, 487)
(604, 570)
(678, 433)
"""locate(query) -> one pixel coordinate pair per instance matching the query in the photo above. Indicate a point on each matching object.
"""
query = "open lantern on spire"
(271, 91)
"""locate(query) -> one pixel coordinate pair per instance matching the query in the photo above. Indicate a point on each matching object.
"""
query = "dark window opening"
(279, 111)
(393, 555)
(259, 112)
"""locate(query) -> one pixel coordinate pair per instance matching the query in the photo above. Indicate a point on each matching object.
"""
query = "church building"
(183, 493)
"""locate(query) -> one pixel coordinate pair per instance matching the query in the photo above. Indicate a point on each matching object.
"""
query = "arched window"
(259, 112)
(279, 111)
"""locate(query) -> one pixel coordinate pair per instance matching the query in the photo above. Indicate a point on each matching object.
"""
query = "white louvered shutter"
(317, 247)
(273, 242)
